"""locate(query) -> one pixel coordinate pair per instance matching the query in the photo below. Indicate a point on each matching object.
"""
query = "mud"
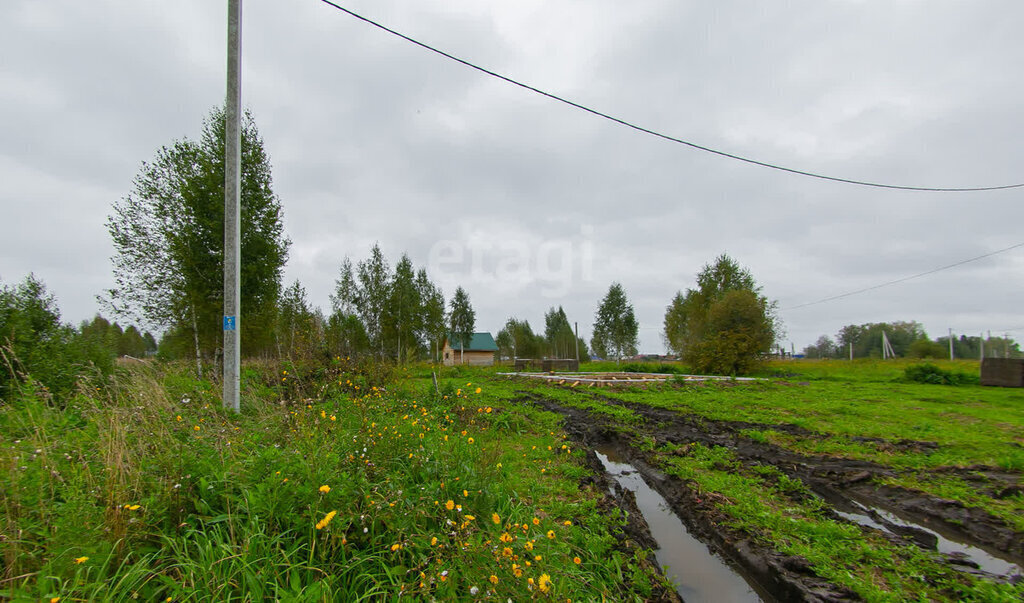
(849, 485)
(833, 478)
(700, 576)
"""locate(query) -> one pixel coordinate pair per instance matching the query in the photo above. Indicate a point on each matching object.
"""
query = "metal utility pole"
(232, 209)
(981, 340)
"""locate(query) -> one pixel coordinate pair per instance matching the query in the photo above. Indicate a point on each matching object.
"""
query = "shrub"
(929, 373)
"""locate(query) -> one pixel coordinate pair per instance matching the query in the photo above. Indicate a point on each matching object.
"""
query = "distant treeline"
(38, 350)
(909, 340)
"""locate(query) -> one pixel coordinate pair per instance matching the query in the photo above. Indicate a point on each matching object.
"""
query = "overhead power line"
(665, 136)
(907, 278)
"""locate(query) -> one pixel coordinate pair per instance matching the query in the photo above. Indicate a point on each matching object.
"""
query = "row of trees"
(168, 267)
(518, 340)
(398, 314)
(35, 344)
(908, 339)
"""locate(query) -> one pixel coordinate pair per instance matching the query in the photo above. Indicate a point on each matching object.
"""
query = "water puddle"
(698, 573)
(885, 521)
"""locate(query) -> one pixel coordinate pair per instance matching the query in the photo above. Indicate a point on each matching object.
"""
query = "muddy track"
(841, 482)
(837, 479)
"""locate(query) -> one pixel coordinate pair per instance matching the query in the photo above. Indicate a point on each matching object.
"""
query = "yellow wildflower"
(469, 517)
(577, 560)
(326, 520)
(395, 547)
(496, 518)
(81, 560)
(433, 541)
(478, 390)
(551, 534)
(529, 545)
(465, 493)
(493, 579)
(544, 584)
(470, 440)
(324, 489)
(536, 521)
(449, 505)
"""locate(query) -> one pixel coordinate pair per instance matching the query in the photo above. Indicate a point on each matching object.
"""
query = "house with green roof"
(476, 350)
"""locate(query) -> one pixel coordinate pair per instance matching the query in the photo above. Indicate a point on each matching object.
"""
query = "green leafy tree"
(616, 331)
(867, 338)
(517, 340)
(35, 346)
(560, 338)
(725, 324)
(131, 343)
(431, 323)
(373, 278)
(168, 236)
(738, 331)
(403, 311)
(297, 334)
(824, 347)
(461, 320)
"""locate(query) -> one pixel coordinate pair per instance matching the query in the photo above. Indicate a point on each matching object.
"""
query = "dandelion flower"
(478, 390)
(395, 547)
(551, 534)
(81, 560)
(326, 520)
(465, 493)
(577, 560)
(449, 505)
(536, 521)
(433, 541)
(544, 583)
(469, 517)
(496, 518)
(493, 579)
(324, 489)
(567, 523)
(529, 545)
(470, 440)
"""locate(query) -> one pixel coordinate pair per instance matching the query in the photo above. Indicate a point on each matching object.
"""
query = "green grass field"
(350, 483)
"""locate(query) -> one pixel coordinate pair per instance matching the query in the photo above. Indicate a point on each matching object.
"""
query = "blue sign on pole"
(229, 323)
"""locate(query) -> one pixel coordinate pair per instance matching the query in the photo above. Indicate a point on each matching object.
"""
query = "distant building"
(478, 350)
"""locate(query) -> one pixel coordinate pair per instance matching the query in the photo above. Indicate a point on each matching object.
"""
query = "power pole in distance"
(232, 209)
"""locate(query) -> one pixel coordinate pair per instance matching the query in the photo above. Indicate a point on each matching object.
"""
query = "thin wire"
(658, 134)
(906, 278)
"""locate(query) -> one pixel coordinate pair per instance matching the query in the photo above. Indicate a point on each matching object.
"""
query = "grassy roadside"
(336, 484)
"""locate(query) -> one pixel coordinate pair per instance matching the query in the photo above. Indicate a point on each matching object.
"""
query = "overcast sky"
(528, 203)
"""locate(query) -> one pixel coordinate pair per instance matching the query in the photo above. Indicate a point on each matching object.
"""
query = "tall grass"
(146, 489)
